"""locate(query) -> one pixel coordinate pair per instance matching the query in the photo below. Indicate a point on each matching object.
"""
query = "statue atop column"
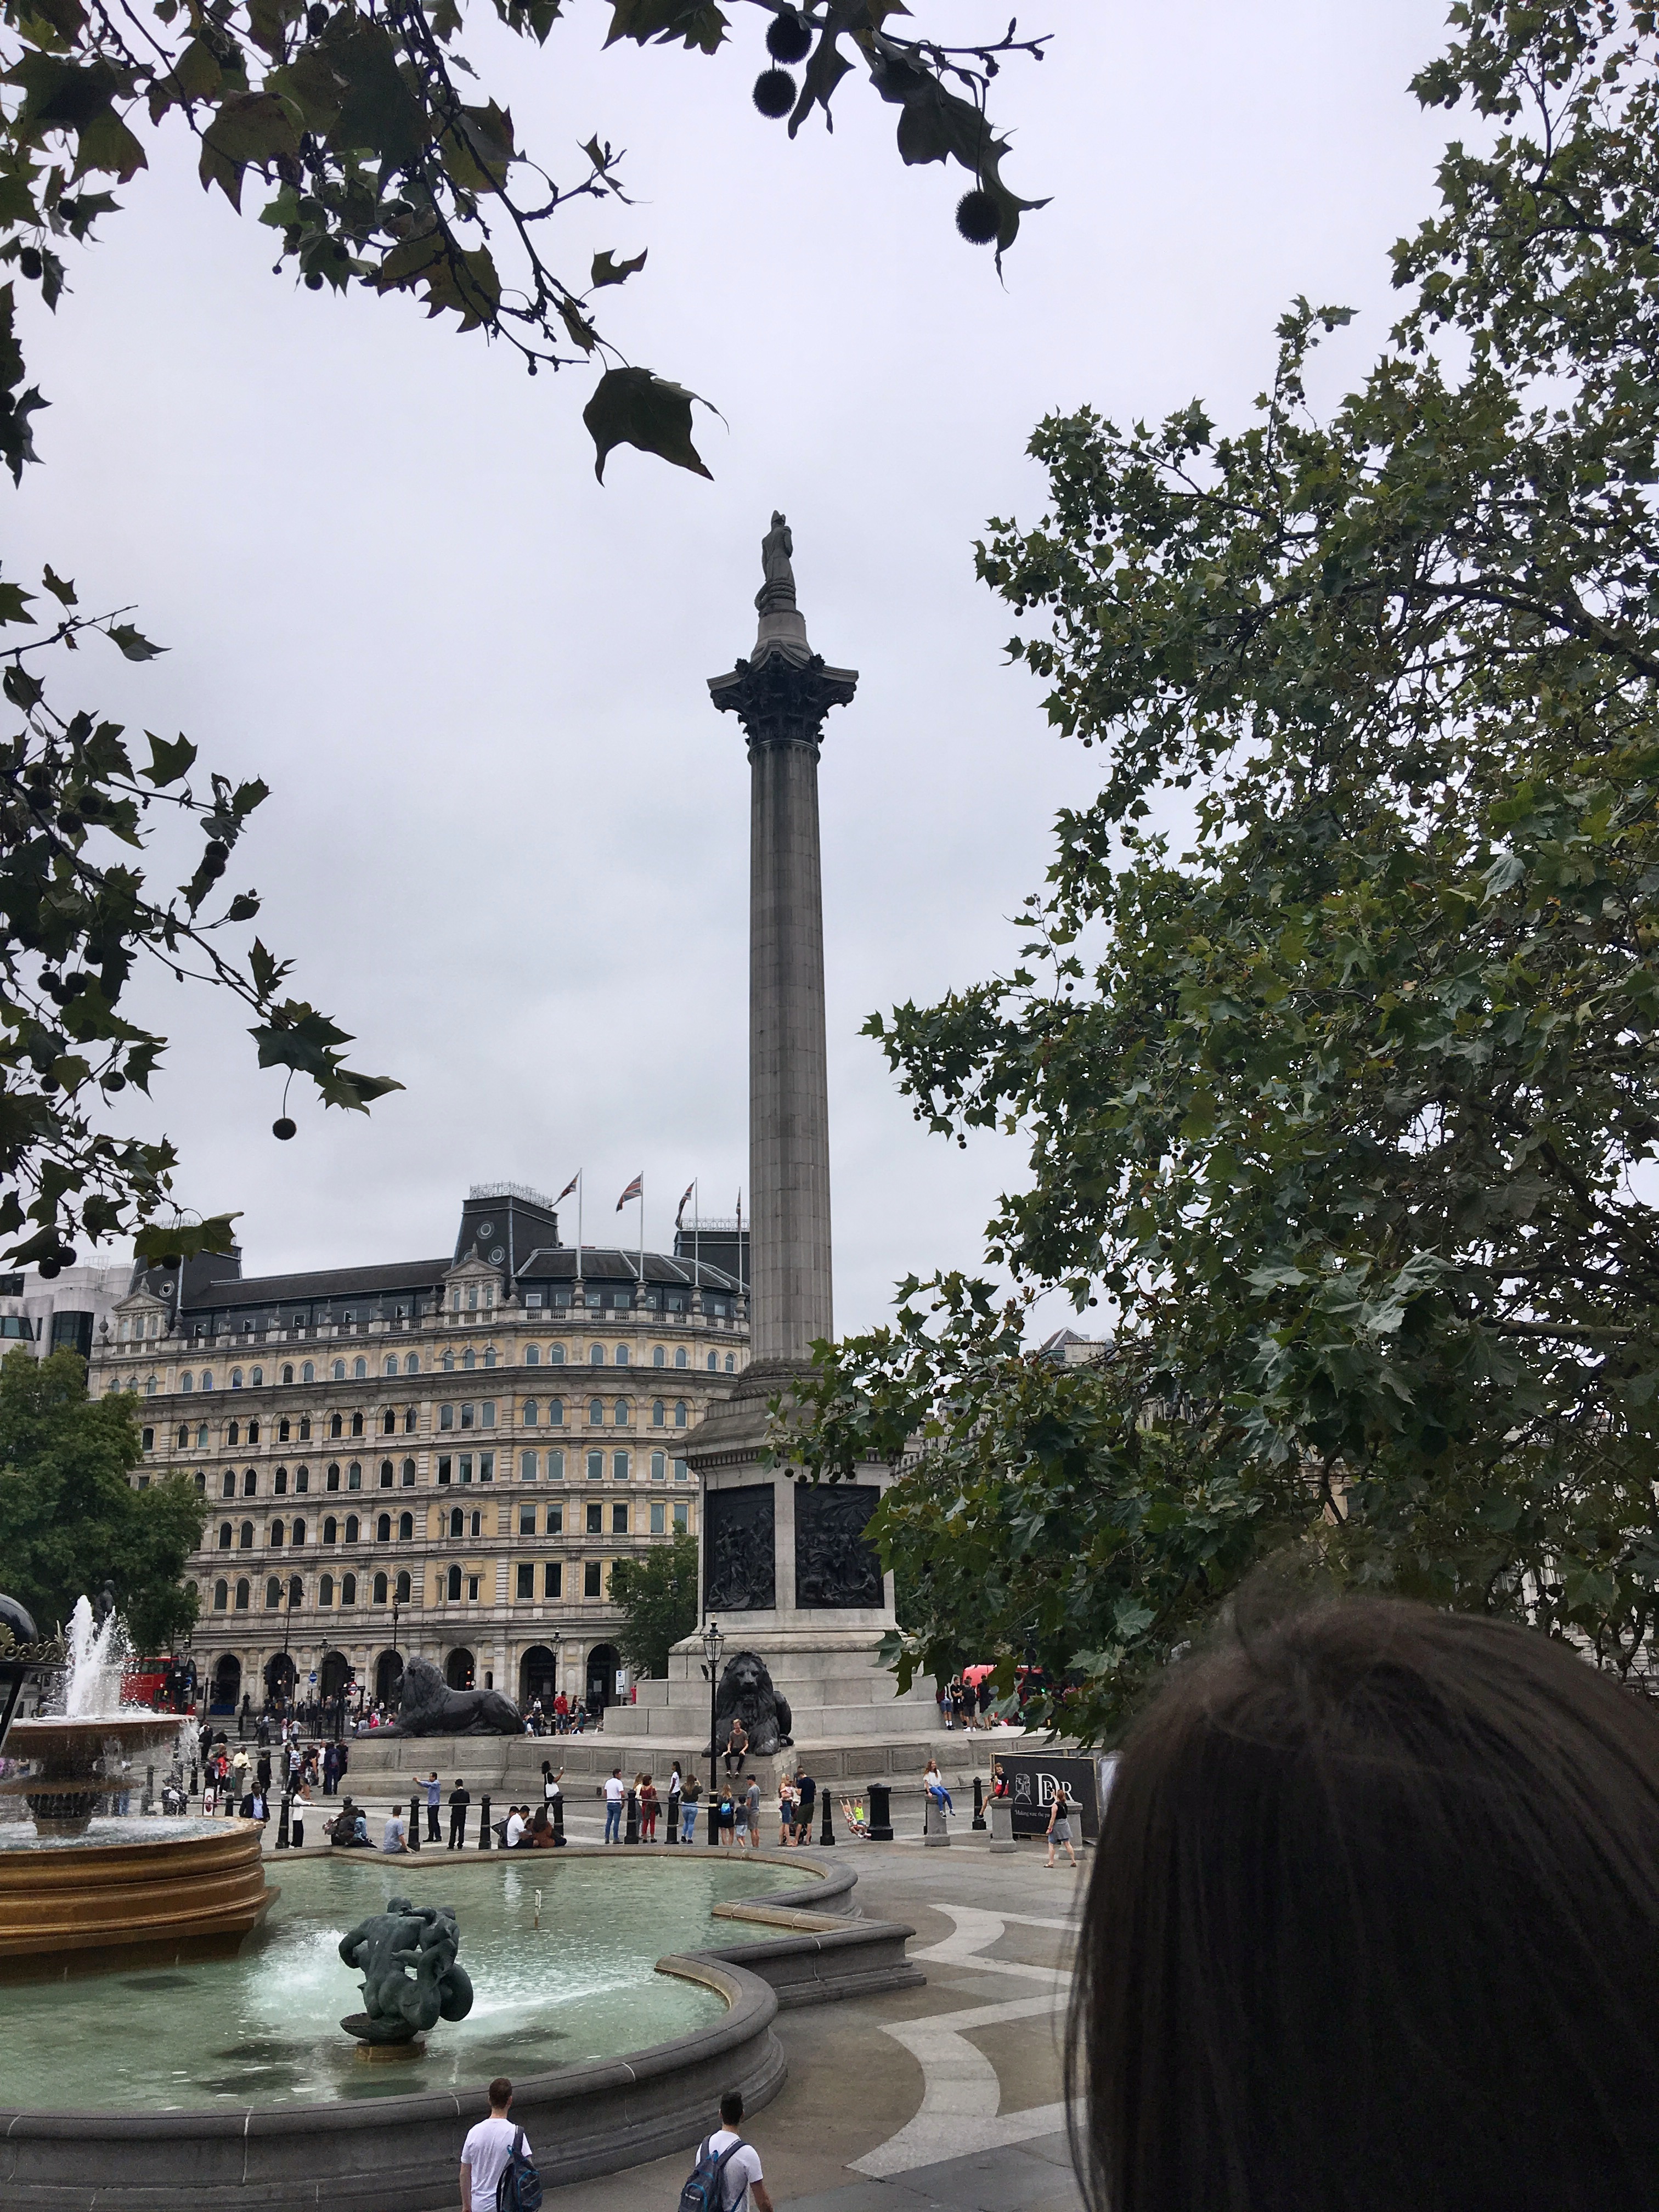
(777, 550)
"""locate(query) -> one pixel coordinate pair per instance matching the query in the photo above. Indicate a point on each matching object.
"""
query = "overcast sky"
(507, 845)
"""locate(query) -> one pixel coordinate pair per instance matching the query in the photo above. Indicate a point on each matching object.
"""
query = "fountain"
(83, 1883)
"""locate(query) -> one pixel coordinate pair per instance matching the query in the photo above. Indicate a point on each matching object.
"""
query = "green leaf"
(131, 644)
(607, 270)
(167, 762)
(59, 588)
(13, 601)
(633, 407)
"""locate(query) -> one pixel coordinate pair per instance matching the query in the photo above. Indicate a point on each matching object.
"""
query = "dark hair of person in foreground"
(1374, 1927)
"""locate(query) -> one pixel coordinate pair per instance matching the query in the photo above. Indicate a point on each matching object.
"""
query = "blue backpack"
(519, 2189)
(701, 2192)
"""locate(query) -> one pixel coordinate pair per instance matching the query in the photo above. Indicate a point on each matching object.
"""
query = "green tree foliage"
(70, 1521)
(380, 162)
(1341, 1102)
(658, 1594)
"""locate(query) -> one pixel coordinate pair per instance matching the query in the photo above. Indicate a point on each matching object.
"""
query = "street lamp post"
(397, 1609)
(714, 1643)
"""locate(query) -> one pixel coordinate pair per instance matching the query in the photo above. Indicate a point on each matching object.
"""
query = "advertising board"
(1033, 1778)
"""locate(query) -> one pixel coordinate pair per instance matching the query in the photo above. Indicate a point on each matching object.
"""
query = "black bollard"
(558, 1822)
(149, 1788)
(631, 1831)
(979, 1804)
(881, 1813)
(673, 1816)
(826, 1832)
(485, 1840)
(282, 1827)
(414, 1821)
(192, 1777)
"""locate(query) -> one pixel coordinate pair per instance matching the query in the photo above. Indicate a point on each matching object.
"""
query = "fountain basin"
(185, 1885)
(80, 1761)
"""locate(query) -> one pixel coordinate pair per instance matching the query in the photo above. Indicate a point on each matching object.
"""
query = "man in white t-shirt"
(740, 2177)
(487, 2149)
(514, 1828)
(614, 1794)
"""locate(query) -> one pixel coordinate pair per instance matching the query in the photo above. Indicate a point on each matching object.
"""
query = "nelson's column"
(786, 1568)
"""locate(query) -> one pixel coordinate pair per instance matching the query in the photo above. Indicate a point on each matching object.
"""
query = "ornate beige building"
(441, 1457)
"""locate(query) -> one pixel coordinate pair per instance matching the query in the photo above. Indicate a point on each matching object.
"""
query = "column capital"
(782, 698)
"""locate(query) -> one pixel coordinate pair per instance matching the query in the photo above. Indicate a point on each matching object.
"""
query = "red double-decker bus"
(165, 1685)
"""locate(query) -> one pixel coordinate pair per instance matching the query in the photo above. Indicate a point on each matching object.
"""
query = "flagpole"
(579, 1225)
(641, 1232)
(696, 1235)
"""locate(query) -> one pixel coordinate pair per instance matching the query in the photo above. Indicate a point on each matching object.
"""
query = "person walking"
(751, 1812)
(1059, 1824)
(785, 1810)
(488, 2150)
(614, 1795)
(433, 1793)
(740, 2176)
(459, 1799)
(688, 1797)
(330, 1770)
(806, 1793)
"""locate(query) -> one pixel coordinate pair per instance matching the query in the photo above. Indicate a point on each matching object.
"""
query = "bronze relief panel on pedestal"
(739, 1550)
(835, 1564)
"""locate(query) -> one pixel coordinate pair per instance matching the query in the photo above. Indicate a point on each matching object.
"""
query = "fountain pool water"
(262, 2028)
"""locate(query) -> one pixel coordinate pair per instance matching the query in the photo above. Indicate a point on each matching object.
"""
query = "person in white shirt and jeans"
(740, 2177)
(614, 1794)
(487, 2149)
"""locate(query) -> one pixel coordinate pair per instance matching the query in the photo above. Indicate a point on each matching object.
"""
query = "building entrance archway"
(227, 1682)
(280, 1671)
(459, 1670)
(388, 1678)
(332, 1675)
(603, 1662)
(538, 1677)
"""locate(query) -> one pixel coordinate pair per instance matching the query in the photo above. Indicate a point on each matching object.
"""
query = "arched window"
(383, 1529)
(207, 1378)
(355, 1474)
(151, 1386)
(245, 1537)
(455, 1524)
(257, 1377)
(357, 1422)
(187, 1384)
(183, 1435)
(679, 1412)
(308, 1372)
(529, 1414)
(490, 1355)
(556, 1355)
(380, 1590)
(254, 1432)
(411, 1419)
(714, 1363)
(288, 1372)
(224, 1535)
(448, 1363)
(386, 1474)
(249, 1482)
(229, 1486)
(359, 1368)
(331, 1480)
(405, 1586)
(622, 1413)
(658, 1357)
(276, 1535)
(351, 1531)
(659, 1413)
(336, 1426)
(349, 1589)
(389, 1423)
(679, 1355)
(411, 1363)
(305, 1428)
(658, 1466)
(279, 1483)
(201, 1436)
(389, 1365)
(454, 1584)
(339, 1370)
(220, 1595)
(532, 1355)
(621, 1357)
(405, 1527)
(283, 1430)
(273, 1594)
(595, 1412)
(527, 1467)
(555, 1413)
(243, 1593)
(326, 1590)
(596, 1357)
(236, 1378)
(330, 1530)
(201, 1483)
(297, 1535)
(731, 1362)
(233, 1433)
(468, 1361)
(302, 1479)
(408, 1475)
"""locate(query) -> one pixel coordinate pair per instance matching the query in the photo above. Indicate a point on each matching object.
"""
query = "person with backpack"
(727, 2173)
(496, 2171)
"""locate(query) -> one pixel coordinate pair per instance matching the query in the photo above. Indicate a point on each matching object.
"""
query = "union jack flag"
(635, 1190)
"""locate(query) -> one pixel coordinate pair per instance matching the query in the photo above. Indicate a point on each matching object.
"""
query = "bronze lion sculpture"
(746, 1693)
(427, 1706)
